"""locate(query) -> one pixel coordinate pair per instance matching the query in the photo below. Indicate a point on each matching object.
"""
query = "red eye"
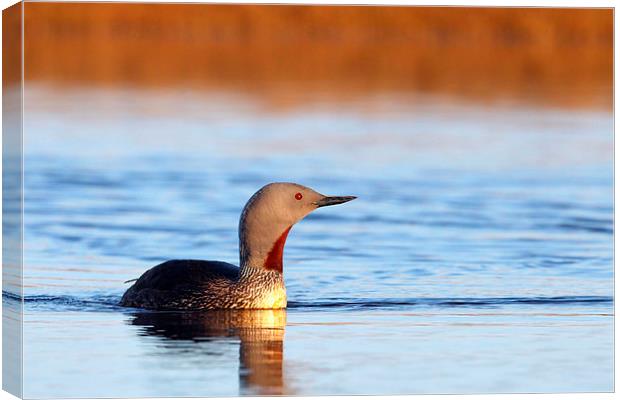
(298, 196)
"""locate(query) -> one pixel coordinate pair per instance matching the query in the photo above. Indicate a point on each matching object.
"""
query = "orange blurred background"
(551, 56)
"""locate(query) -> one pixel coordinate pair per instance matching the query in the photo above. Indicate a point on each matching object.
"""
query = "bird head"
(270, 214)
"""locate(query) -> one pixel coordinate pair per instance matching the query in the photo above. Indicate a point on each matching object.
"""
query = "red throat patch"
(276, 254)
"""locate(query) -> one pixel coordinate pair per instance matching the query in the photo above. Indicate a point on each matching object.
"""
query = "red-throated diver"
(258, 283)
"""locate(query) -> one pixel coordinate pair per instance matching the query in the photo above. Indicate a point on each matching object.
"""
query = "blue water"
(477, 258)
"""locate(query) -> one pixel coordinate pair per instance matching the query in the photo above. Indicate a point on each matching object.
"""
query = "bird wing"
(179, 274)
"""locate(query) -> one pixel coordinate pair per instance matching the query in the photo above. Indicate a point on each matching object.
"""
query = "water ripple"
(109, 302)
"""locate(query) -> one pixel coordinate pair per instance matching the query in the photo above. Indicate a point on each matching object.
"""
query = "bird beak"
(333, 200)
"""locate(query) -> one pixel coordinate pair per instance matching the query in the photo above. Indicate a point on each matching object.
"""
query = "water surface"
(477, 257)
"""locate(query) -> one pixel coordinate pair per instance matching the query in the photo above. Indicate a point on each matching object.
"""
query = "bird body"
(199, 285)
(258, 283)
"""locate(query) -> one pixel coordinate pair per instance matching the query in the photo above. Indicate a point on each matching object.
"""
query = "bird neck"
(262, 250)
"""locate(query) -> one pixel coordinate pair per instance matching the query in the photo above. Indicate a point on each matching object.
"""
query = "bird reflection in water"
(261, 335)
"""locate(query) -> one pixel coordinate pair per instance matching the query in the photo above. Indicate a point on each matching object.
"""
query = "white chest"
(272, 299)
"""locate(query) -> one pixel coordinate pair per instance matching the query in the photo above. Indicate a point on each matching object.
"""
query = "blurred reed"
(555, 56)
